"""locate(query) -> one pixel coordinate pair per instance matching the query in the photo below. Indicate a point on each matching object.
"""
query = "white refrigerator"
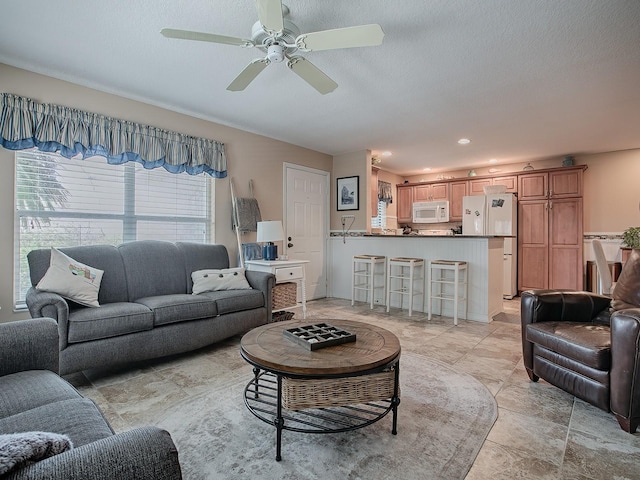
(495, 215)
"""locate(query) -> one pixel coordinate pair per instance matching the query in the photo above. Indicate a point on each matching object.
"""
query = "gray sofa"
(146, 306)
(34, 398)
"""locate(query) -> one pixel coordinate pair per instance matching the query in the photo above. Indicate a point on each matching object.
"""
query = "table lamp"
(269, 232)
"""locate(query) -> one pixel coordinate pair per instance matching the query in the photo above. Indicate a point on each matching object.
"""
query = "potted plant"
(631, 238)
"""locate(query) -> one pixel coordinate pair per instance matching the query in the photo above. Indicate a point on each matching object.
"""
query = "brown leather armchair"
(571, 340)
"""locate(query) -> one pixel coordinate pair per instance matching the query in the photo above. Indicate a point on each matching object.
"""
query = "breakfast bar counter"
(484, 256)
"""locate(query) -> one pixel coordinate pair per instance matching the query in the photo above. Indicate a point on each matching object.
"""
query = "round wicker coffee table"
(325, 390)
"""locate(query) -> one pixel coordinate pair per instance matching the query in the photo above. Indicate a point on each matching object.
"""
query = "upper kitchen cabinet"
(510, 181)
(476, 186)
(405, 203)
(430, 192)
(563, 183)
(457, 190)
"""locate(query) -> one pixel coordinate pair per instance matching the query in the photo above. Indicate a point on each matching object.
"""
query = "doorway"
(306, 207)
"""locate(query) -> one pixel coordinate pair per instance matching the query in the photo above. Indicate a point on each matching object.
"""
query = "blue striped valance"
(53, 128)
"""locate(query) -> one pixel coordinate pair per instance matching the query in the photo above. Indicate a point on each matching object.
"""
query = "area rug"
(443, 418)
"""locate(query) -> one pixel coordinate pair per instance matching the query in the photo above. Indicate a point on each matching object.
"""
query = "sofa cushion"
(71, 279)
(586, 343)
(212, 280)
(113, 287)
(200, 256)
(179, 308)
(626, 293)
(230, 301)
(43, 387)
(153, 268)
(109, 320)
(77, 418)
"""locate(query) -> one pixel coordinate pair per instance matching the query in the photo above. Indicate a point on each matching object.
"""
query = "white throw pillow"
(71, 279)
(213, 280)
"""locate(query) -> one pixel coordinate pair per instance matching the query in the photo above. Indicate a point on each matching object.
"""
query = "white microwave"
(431, 212)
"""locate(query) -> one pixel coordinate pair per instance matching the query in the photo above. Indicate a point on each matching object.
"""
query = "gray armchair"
(33, 397)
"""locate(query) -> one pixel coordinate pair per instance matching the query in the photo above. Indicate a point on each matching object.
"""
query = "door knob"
(289, 245)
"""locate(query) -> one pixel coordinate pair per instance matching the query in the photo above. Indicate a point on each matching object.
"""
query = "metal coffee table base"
(263, 398)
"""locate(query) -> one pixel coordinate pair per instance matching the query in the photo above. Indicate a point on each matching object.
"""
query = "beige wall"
(392, 209)
(249, 156)
(349, 165)
(611, 191)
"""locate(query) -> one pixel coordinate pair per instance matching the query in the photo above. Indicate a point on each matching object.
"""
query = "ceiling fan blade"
(359, 36)
(312, 75)
(206, 37)
(270, 15)
(247, 75)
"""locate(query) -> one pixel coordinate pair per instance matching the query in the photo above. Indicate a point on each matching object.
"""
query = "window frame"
(128, 218)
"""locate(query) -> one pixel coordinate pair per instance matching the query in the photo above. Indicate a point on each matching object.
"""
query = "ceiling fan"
(281, 40)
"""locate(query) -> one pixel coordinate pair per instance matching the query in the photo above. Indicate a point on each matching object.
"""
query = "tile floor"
(541, 431)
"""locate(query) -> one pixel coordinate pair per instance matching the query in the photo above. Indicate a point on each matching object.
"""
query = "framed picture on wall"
(348, 192)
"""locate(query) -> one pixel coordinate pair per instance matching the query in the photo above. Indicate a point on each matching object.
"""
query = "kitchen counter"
(484, 255)
(412, 235)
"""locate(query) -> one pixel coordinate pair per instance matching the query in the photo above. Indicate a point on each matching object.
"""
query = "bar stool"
(365, 270)
(458, 281)
(414, 276)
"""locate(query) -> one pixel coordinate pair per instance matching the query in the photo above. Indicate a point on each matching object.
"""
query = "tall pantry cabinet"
(550, 229)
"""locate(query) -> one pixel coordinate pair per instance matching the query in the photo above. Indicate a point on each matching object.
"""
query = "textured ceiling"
(523, 79)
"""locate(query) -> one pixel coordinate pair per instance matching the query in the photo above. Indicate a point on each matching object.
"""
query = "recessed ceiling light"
(464, 141)
(493, 160)
(426, 169)
(386, 154)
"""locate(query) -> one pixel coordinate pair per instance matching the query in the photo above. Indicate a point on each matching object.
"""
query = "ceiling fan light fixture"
(280, 39)
(275, 53)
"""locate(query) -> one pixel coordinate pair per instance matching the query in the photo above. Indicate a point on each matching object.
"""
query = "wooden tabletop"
(267, 348)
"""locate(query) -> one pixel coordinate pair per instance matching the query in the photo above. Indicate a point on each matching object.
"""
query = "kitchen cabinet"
(405, 203)
(476, 186)
(555, 184)
(430, 192)
(510, 181)
(550, 230)
(457, 190)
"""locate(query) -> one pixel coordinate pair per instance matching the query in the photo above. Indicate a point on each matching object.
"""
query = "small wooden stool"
(459, 283)
(414, 276)
(365, 270)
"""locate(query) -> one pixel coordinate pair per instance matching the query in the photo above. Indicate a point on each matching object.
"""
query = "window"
(380, 221)
(64, 202)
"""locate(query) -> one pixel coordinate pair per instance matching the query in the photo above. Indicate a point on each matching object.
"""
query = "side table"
(285, 271)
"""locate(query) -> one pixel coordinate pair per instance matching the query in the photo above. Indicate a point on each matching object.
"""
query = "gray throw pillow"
(20, 449)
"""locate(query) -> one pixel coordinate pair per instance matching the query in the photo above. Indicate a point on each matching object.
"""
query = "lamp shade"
(270, 231)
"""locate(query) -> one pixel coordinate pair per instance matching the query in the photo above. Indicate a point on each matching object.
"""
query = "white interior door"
(306, 204)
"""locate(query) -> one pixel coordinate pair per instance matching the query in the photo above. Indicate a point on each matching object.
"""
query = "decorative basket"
(284, 295)
(299, 394)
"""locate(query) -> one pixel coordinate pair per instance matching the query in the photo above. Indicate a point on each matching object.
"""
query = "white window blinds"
(67, 202)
